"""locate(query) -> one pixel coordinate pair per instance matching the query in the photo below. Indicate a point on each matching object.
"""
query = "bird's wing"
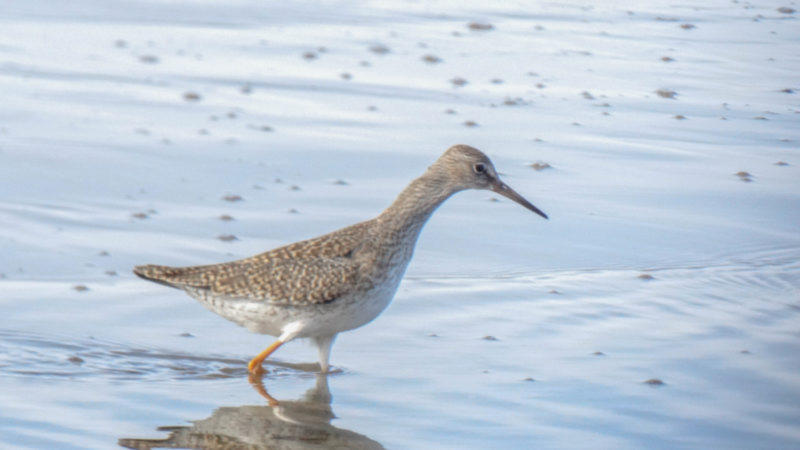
(313, 271)
(291, 281)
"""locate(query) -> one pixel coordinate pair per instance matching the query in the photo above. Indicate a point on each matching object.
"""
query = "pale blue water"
(91, 135)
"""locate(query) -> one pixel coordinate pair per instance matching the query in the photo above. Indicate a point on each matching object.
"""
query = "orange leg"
(255, 364)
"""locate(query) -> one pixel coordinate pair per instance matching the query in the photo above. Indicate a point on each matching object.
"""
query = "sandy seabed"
(658, 308)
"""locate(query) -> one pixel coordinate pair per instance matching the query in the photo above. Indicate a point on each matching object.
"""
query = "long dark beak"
(503, 189)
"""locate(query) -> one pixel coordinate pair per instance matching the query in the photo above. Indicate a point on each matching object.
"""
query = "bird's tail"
(168, 276)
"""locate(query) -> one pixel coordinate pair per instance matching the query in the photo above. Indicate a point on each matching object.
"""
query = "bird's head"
(468, 168)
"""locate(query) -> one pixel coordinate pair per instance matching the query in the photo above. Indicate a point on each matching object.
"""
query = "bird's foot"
(254, 368)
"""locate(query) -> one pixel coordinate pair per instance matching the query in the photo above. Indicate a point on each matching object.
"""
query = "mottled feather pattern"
(337, 282)
(313, 271)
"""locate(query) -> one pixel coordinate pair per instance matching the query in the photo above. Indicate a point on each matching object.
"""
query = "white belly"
(324, 319)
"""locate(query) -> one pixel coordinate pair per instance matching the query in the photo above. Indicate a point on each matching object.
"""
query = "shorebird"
(342, 280)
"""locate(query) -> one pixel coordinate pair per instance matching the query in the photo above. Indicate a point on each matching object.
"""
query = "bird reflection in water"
(291, 424)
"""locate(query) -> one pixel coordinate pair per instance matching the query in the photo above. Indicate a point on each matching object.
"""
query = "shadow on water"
(283, 424)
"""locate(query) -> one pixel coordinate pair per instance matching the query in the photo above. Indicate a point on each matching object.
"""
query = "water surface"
(658, 307)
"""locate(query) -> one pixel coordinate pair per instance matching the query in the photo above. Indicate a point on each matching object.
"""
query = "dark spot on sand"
(599, 354)
(372, 108)
(666, 93)
(308, 56)
(191, 96)
(494, 199)
(760, 118)
(148, 59)
(528, 379)
(744, 176)
(75, 360)
(80, 288)
(540, 165)
(786, 10)
(226, 218)
(227, 237)
(346, 76)
(513, 101)
(111, 273)
(340, 183)
(139, 215)
(781, 163)
(679, 117)
(186, 335)
(554, 292)
(667, 59)
(666, 19)
(587, 95)
(433, 335)
(431, 59)
(496, 81)
(293, 211)
(104, 253)
(540, 85)
(489, 338)
(470, 124)
(479, 26)
(450, 111)
(379, 49)
(654, 382)
(745, 352)
(246, 89)
(688, 26)
(232, 198)
(294, 187)
(645, 277)
(458, 81)
(787, 91)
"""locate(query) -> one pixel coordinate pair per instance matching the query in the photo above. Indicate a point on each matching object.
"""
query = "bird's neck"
(413, 207)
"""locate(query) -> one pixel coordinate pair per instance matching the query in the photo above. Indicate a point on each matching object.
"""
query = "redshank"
(320, 287)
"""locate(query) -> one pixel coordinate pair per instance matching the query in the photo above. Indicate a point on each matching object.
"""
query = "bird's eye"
(479, 168)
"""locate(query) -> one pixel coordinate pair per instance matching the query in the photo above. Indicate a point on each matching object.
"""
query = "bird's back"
(312, 271)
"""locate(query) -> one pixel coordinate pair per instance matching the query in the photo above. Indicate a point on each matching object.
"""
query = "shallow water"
(658, 263)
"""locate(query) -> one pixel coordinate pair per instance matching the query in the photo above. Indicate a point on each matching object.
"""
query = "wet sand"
(658, 306)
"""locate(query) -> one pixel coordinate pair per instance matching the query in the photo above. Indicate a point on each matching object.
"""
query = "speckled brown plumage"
(312, 271)
(337, 282)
